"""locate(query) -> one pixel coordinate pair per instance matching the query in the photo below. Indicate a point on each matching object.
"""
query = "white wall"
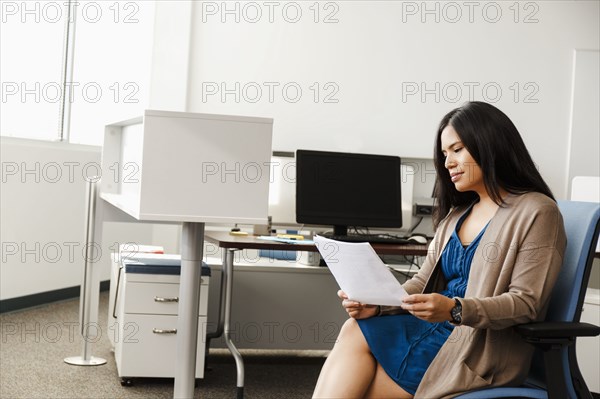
(170, 52)
(43, 215)
(42, 212)
(375, 54)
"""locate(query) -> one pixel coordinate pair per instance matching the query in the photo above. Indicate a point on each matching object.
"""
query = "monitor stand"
(340, 230)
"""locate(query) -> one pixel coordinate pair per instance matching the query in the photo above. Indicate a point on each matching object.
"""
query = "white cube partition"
(193, 169)
(188, 167)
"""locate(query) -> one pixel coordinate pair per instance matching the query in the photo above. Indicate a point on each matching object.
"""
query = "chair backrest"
(581, 220)
(581, 226)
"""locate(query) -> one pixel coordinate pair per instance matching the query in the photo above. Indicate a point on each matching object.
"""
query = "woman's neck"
(487, 202)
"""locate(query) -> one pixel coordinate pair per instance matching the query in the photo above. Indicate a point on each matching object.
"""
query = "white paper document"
(360, 272)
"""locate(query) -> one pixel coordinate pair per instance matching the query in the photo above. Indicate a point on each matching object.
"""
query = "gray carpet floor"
(35, 341)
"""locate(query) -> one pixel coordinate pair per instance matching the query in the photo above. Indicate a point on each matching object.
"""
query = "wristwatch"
(456, 312)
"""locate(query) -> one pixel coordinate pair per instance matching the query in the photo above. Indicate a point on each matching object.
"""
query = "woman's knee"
(351, 333)
(349, 327)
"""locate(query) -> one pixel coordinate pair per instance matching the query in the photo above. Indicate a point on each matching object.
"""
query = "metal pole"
(88, 286)
(189, 296)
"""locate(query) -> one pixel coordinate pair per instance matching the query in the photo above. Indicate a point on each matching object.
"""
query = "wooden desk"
(234, 243)
(225, 240)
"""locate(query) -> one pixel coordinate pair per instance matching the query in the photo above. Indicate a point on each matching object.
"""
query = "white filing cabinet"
(143, 319)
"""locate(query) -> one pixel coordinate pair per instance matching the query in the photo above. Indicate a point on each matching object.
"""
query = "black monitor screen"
(343, 189)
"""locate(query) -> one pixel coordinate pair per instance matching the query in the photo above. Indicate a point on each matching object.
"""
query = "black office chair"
(554, 371)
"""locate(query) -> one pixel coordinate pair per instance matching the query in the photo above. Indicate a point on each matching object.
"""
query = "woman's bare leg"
(384, 387)
(350, 367)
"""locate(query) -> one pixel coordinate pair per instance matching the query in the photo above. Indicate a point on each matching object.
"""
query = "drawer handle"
(160, 331)
(161, 299)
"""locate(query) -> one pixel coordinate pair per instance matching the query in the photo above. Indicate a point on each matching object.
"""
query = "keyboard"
(370, 238)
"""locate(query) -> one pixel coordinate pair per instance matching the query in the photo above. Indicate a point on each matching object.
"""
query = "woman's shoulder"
(537, 217)
(532, 202)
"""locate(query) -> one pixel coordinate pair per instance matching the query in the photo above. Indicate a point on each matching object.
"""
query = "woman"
(492, 264)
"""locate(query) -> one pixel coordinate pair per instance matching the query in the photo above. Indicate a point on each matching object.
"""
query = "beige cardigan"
(512, 274)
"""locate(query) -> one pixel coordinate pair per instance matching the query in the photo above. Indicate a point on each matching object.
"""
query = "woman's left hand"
(433, 308)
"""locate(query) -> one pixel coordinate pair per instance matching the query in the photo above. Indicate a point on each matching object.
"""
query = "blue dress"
(405, 345)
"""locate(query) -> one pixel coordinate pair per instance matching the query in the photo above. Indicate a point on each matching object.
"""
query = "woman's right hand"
(357, 310)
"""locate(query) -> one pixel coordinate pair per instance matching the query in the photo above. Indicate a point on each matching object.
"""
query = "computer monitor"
(345, 189)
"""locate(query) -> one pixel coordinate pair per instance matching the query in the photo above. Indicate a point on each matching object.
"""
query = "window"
(31, 58)
(106, 44)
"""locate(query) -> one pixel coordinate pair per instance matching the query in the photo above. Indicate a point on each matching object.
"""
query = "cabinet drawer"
(141, 351)
(157, 298)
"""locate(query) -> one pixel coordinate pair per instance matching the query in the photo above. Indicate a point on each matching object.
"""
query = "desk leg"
(239, 362)
(222, 298)
(189, 296)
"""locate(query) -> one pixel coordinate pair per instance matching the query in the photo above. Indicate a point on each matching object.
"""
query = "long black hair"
(496, 145)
